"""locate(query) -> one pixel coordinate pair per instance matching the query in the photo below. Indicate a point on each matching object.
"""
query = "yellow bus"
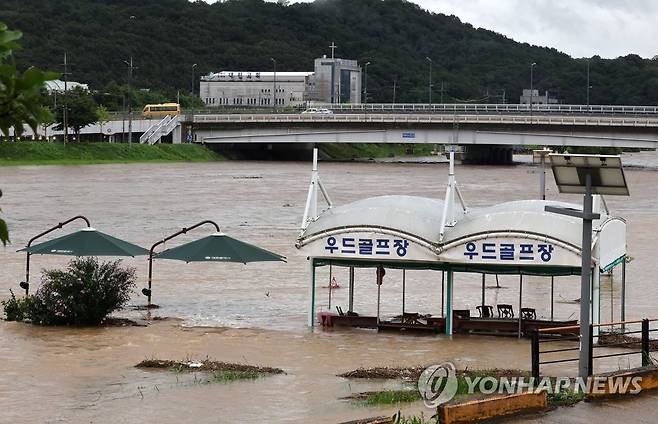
(161, 110)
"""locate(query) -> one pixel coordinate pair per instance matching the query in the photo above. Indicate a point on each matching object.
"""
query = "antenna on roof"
(449, 218)
(311, 210)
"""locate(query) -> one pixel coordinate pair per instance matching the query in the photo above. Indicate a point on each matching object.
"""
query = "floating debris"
(205, 365)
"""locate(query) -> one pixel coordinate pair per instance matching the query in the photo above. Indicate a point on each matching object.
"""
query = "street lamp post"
(274, 84)
(532, 91)
(193, 66)
(429, 85)
(365, 85)
(587, 175)
(130, 103)
(588, 85)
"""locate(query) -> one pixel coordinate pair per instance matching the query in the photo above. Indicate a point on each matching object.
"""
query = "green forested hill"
(165, 37)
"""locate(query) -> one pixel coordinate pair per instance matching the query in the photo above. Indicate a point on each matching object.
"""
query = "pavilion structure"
(418, 233)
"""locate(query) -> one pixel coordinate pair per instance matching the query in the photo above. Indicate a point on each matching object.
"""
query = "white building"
(537, 99)
(58, 86)
(333, 81)
(336, 81)
(252, 88)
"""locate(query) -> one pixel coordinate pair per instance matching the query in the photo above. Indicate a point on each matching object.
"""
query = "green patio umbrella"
(219, 247)
(86, 242)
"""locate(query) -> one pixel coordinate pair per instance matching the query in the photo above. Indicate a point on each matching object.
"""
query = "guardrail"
(450, 108)
(593, 121)
(624, 338)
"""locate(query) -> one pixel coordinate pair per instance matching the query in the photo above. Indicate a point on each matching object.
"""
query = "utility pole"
(395, 85)
(274, 84)
(333, 47)
(441, 92)
(532, 93)
(130, 103)
(429, 85)
(193, 66)
(66, 104)
(588, 86)
(365, 89)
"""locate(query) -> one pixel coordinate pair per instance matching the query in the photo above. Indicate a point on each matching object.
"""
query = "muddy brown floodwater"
(256, 313)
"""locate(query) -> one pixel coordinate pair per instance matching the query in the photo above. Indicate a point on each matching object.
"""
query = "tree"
(103, 117)
(21, 101)
(20, 96)
(4, 232)
(81, 110)
(83, 294)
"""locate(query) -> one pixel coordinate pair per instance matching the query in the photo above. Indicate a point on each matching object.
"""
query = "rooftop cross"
(332, 47)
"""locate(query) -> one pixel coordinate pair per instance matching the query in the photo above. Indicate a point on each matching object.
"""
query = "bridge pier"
(487, 155)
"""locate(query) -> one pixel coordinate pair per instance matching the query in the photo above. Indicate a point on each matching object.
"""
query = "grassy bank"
(34, 153)
(349, 151)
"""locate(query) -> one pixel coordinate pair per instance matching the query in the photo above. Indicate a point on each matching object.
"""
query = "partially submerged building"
(414, 233)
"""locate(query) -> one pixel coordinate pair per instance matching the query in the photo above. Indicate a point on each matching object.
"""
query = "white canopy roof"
(410, 215)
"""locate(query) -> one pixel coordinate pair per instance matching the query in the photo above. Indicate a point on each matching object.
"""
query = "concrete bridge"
(486, 136)
(486, 131)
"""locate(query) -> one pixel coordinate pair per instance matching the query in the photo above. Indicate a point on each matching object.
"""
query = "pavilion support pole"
(404, 287)
(443, 292)
(379, 296)
(623, 293)
(311, 306)
(351, 289)
(596, 301)
(448, 302)
(331, 275)
(484, 276)
(612, 297)
(520, 302)
(552, 295)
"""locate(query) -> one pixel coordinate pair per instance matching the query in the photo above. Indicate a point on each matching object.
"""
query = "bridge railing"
(453, 108)
(598, 121)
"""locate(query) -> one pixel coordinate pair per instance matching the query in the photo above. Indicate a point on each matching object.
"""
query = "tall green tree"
(103, 117)
(21, 100)
(20, 96)
(82, 110)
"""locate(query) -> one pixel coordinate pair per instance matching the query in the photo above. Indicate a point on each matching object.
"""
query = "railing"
(496, 108)
(625, 339)
(598, 121)
(159, 130)
(452, 108)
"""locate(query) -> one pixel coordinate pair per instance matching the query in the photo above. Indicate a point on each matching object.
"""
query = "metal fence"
(624, 338)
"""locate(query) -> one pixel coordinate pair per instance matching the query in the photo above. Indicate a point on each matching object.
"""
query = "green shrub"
(83, 294)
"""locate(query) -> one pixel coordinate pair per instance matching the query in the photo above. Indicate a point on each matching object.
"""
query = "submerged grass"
(43, 153)
(390, 397)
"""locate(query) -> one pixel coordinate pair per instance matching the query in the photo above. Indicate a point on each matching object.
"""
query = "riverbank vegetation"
(469, 64)
(35, 153)
(83, 294)
(213, 371)
(352, 151)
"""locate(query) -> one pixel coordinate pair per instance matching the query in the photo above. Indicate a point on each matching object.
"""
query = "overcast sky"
(580, 28)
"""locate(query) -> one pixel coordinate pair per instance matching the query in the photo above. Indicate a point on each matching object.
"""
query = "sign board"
(369, 246)
(510, 251)
(409, 134)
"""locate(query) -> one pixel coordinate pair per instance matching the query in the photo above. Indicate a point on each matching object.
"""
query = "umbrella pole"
(26, 284)
(27, 274)
(148, 296)
(147, 292)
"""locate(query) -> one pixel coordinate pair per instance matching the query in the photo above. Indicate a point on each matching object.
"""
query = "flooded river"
(256, 313)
